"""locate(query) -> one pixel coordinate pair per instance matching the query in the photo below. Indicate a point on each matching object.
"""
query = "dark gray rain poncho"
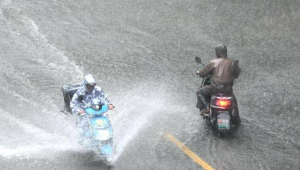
(223, 70)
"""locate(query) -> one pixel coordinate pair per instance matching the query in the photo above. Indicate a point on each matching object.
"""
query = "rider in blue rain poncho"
(87, 95)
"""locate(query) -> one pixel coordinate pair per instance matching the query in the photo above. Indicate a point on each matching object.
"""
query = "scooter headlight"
(103, 134)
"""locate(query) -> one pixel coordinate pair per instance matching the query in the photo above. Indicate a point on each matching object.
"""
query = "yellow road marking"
(188, 152)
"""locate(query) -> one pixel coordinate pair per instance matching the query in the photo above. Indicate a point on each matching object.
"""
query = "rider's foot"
(202, 112)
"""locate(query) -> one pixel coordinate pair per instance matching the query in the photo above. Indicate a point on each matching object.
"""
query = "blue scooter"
(99, 133)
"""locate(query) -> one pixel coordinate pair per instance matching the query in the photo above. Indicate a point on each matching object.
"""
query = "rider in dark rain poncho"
(223, 71)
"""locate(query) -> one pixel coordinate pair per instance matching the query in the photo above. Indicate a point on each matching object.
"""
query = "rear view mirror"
(198, 60)
(236, 62)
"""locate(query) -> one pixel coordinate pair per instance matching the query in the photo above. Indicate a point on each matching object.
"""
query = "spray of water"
(35, 64)
(129, 135)
(40, 151)
(138, 108)
(34, 141)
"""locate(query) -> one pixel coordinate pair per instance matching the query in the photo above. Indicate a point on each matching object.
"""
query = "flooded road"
(142, 55)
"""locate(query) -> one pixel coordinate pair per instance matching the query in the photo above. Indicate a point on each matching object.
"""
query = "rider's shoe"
(205, 111)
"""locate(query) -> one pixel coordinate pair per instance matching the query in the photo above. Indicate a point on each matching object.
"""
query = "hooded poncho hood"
(89, 79)
(221, 51)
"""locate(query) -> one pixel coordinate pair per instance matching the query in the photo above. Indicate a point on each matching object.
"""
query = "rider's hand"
(110, 106)
(199, 71)
(81, 112)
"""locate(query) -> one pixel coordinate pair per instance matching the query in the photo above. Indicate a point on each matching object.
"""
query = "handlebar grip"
(82, 114)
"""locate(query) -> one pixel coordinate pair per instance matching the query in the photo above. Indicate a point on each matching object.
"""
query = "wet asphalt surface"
(142, 55)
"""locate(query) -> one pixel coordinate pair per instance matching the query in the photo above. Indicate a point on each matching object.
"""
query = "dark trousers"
(204, 93)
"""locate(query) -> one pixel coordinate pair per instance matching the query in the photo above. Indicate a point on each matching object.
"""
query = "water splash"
(28, 140)
(136, 114)
(33, 151)
(130, 133)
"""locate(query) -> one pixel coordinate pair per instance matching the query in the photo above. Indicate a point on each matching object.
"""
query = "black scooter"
(220, 108)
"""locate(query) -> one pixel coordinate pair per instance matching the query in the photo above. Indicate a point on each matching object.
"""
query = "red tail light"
(223, 102)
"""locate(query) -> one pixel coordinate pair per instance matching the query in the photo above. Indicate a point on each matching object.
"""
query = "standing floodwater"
(142, 54)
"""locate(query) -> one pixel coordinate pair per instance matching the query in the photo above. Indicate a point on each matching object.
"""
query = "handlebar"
(90, 111)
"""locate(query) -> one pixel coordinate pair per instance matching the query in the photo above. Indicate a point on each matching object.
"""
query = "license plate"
(223, 120)
(223, 123)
